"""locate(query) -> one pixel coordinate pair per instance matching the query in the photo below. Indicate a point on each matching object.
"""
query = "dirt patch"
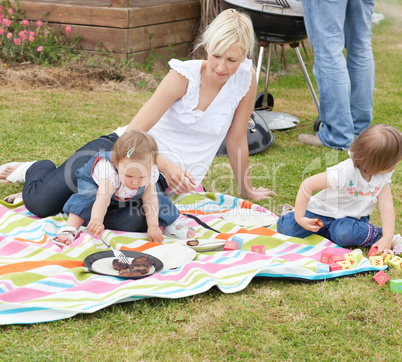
(78, 76)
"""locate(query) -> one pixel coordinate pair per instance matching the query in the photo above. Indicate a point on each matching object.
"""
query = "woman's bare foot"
(7, 172)
(11, 198)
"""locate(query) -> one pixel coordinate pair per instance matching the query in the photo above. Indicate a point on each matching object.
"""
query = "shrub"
(23, 40)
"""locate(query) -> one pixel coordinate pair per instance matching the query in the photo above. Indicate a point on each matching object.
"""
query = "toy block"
(396, 285)
(230, 245)
(353, 261)
(358, 258)
(259, 249)
(376, 261)
(325, 257)
(336, 258)
(381, 278)
(335, 267)
(322, 268)
(396, 262)
(344, 264)
(372, 250)
(350, 255)
(387, 258)
(238, 240)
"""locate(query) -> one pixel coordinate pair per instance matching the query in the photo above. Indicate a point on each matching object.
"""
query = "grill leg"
(265, 99)
(259, 64)
(307, 78)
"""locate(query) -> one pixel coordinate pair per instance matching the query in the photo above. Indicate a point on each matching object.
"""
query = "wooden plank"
(120, 3)
(162, 35)
(163, 14)
(132, 40)
(112, 17)
(71, 14)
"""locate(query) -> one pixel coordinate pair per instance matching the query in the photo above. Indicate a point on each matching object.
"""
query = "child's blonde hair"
(135, 144)
(377, 149)
(228, 28)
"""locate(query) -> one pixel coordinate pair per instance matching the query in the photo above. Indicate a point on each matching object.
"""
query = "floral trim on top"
(353, 192)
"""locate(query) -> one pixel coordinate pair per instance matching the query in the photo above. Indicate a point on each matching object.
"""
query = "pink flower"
(40, 49)
(7, 22)
(1, 9)
(31, 38)
(2, 31)
(25, 22)
(68, 29)
(1, 16)
(39, 23)
(31, 33)
(9, 35)
(17, 41)
(10, 11)
(22, 34)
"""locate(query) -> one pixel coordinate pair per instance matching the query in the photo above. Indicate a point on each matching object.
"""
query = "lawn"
(344, 319)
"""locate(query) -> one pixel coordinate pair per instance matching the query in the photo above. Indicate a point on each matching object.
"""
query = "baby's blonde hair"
(377, 149)
(228, 28)
(135, 144)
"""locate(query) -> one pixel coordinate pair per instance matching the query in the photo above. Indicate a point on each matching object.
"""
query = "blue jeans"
(345, 86)
(345, 232)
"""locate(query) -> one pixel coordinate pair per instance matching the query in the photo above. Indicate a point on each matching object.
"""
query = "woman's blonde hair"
(135, 144)
(377, 149)
(228, 28)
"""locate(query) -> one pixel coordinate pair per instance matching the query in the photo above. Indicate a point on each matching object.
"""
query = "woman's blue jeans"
(345, 232)
(345, 86)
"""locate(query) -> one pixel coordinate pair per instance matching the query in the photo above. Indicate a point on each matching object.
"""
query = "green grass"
(343, 319)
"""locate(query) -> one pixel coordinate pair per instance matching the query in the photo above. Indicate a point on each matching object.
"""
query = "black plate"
(91, 259)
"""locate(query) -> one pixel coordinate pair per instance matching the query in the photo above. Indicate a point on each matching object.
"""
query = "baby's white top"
(350, 194)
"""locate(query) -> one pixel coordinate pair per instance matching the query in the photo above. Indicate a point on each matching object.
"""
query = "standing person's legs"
(48, 188)
(360, 62)
(325, 27)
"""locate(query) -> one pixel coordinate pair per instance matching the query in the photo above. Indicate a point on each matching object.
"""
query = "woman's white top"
(350, 194)
(190, 138)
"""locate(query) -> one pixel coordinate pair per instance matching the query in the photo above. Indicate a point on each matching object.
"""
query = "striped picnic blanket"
(40, 282)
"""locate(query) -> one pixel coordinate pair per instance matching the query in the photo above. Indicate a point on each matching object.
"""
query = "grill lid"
(280, 7)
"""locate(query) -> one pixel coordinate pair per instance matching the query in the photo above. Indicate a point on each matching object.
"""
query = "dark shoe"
(310, 139)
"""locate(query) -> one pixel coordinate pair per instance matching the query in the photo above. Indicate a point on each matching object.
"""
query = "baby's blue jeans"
(346, 231)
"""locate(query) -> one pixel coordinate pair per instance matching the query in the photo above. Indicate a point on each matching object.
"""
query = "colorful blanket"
(40, 282)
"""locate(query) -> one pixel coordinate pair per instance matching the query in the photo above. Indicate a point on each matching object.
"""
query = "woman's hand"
(155, 234)
(309, 224)
(96, 227)
(179, 180)
(259, 194)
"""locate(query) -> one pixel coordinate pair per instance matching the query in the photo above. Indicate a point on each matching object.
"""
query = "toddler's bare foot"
(190, 231)
(64, 239)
